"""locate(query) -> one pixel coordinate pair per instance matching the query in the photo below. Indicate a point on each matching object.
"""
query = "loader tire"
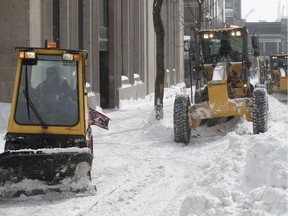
(260, 108)
(182, 131)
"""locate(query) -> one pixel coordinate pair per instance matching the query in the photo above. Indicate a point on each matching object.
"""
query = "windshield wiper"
(30, 103)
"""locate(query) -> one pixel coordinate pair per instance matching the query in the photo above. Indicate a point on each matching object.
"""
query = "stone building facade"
(118, 34)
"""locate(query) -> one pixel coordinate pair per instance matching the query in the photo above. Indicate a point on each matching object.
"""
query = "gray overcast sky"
(263, 10)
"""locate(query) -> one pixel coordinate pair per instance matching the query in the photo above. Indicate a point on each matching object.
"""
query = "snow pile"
(4, 115)
(266, 174)
(266, 163)
(249, 177)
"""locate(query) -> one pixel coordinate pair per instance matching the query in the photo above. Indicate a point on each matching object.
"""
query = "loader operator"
(52, 89)
(54, 97)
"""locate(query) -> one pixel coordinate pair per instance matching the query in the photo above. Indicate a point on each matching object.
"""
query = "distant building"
(212, 14)
(233, 9)
(272, 36)
(118, 34)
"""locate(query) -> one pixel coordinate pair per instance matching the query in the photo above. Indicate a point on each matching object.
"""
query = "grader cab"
(223, 88)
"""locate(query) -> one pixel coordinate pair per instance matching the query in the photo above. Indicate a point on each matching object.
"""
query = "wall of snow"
(4, 115)
(132, 91)
(249, 177)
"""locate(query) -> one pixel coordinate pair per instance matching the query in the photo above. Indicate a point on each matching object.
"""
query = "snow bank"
(266, 163)
(246, 180)
(4, 115)
(266, 175)
(249, 177)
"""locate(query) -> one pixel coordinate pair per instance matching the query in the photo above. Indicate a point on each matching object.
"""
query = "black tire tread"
(260, 108)
(182, 131)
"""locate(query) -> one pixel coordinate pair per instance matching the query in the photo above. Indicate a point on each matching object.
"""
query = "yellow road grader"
(49, 134)
(274, 74)
(222, 82)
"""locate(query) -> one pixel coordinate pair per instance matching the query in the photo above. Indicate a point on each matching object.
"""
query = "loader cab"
(51, 86)
(49, 92)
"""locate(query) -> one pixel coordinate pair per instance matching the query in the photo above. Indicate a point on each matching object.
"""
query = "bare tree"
(160, 34)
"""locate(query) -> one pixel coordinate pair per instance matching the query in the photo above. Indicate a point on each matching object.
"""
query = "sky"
(263, 10)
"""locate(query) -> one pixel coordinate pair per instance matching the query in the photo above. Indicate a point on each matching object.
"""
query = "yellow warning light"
(76, 57)
(22, 55)
(51, 44)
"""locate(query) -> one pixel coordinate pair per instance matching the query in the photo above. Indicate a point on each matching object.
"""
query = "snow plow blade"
(47, 165)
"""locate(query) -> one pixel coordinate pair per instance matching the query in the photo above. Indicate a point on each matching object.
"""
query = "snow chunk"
(267, 163)
(198, 204)
(268, 199)
(56, 150)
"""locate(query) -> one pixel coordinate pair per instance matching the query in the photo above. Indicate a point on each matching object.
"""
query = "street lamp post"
(200, 2)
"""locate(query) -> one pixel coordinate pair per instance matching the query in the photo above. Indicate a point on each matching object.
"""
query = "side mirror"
(254, 42)
(255, 45)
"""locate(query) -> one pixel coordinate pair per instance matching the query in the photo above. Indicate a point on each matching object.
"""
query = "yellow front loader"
(223, 88)
(49, 135)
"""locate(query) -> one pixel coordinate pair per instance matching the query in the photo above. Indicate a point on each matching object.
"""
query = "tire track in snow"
(146, 178)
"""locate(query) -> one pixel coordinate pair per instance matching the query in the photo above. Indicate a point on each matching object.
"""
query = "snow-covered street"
(140, 171)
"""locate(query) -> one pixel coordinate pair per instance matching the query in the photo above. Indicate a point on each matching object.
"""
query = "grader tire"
(182, 131)
(260, 108)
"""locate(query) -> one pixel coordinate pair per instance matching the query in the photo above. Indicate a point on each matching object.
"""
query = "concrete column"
(136, 38)
(64, 27)
(172, 44)
(126, 37)
(131, 41)
(151, 48)
(91, 44)
(165, 15)
(73, 24)
(115, 52)
(37, 17)
(15, 31)
(69, 24)
(179, 41)
(46, 21)
(142, 40)
(91, 41)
